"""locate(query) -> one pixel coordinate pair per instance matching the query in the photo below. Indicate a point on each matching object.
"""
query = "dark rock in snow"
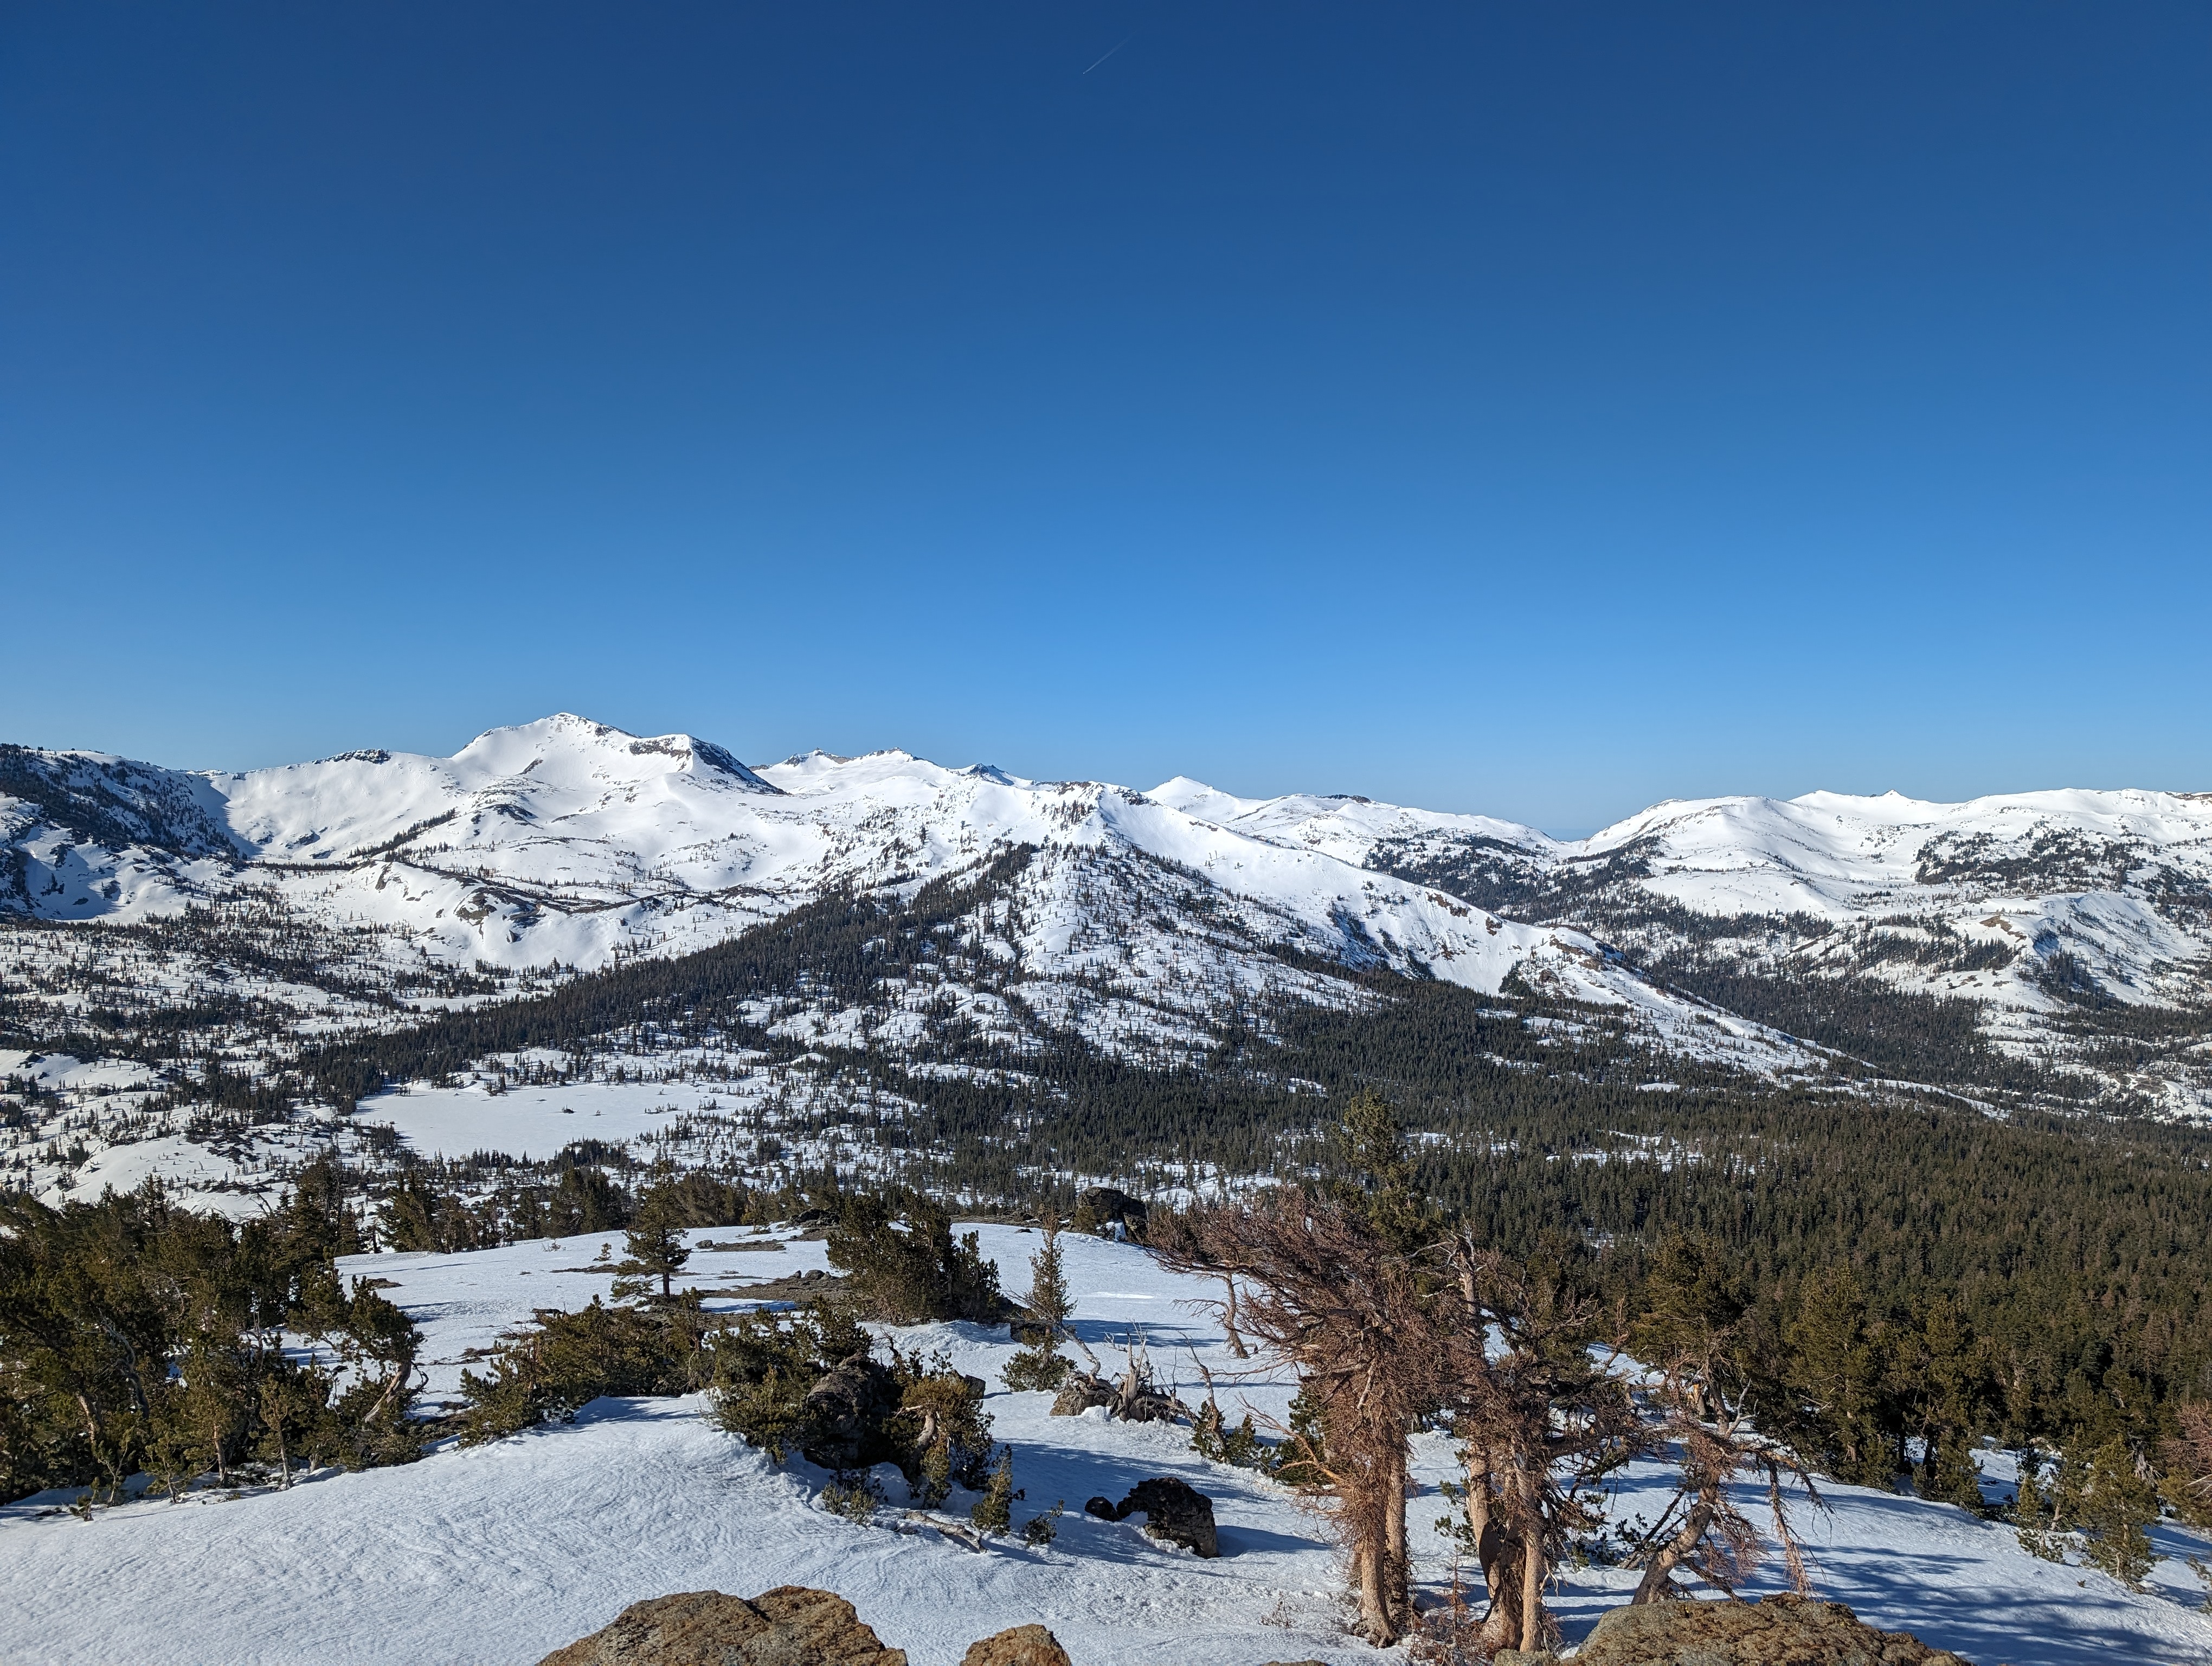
(1112, 1204)
(1018, 1646)
(846, 1411)
(1174, 1510)
(790, 1625)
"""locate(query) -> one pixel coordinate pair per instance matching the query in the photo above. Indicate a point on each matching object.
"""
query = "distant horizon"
(1567, 834)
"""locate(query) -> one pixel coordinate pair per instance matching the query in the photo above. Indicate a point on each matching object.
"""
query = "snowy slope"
(496, 1556)
(2124, 877)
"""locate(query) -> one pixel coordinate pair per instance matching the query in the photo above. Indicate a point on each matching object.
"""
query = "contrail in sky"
(1111, 51)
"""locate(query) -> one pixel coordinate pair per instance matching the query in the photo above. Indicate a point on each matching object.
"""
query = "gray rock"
(1778, 1631)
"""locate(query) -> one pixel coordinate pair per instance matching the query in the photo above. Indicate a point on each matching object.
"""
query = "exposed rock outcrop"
(1780, 1631)
(1174, 1510)
(790, 1625)
(1018, 1646)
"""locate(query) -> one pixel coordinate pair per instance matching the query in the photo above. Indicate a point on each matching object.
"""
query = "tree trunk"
(1228, 1320)
(1672, 1555)
(1396, 1564)
(92, 1432)
(1501, 1626)
(1479, 1527)
(1531, 1587)
(1374, 1612)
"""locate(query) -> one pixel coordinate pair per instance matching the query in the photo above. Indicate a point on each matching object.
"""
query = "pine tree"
(995, 1511)
(1040, 1365)
(653, 1242)
(1836, 1371)
(2110, 1503)
(1372, 1173)
(2098, 1504)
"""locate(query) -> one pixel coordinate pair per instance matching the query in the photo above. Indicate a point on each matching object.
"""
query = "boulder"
(1779, 1631)
(790, 1625)
(1174, 1510)
(1110, 1205)
(845, 1412)
(1018, 1646)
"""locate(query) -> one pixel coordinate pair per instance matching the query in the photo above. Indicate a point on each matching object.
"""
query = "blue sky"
(1536, 409)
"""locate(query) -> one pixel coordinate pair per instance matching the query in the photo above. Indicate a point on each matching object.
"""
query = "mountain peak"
(521, 747)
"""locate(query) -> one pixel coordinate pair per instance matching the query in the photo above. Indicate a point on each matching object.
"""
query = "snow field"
(495, 1556)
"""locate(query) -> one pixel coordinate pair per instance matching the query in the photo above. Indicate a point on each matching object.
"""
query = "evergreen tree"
(1941, 1371)
(1040, 1365)
(1371, 1173)
(1835, 1376)
(2098, 1504)
(905, 1264)
(994, 1511)
(2109, 1501)
(653, 1242)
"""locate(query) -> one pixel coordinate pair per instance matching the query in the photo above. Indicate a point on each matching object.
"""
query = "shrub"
(810, 1384)
(907, 1267)
(546, 1373)
(995, 1511)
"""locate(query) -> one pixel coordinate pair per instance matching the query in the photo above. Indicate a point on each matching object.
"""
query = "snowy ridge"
(2042, 906)
(567, 840)
(1142, 916)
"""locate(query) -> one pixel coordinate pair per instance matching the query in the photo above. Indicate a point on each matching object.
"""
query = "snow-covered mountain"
(2077, 924)
(1141, 917)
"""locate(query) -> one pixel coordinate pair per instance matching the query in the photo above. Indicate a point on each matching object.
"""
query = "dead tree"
(1701, 1528)
(1694, 1337)
(1539, 1421)
(1324, 1294)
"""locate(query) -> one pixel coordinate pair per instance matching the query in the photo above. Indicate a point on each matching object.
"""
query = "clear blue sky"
(1538, 409)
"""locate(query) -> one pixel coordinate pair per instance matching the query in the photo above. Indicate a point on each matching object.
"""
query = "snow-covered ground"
(499, 1554)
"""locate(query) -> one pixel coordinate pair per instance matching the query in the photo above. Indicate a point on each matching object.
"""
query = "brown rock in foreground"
(1780, 1631)
(790, 1625)
(1018, 1646)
